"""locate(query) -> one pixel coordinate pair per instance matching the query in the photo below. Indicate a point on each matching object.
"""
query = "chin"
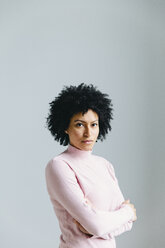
(87, 146)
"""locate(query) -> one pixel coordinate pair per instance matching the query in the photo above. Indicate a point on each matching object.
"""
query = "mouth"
(87, 141)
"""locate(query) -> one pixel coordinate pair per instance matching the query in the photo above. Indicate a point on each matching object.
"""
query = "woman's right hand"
(132, 206)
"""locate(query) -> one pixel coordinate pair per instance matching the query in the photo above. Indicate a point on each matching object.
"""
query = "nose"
(87, 132)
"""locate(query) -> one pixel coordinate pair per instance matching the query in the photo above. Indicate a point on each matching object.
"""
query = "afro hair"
(75, 99)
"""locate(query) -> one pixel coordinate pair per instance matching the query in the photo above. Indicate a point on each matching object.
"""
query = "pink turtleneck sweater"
(83, 186)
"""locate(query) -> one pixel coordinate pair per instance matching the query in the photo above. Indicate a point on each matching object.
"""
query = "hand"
(90, 204)
(81, 227)
(132, 206)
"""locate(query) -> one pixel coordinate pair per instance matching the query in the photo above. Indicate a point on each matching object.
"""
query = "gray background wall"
(119, 46)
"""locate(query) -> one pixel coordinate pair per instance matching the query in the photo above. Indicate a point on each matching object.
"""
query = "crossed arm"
(82, 229)
(62, 185)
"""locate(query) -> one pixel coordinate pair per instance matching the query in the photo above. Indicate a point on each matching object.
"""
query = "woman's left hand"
(82, 229)
(79, 225)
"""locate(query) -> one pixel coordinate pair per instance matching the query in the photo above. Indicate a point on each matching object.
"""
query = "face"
(83, 130)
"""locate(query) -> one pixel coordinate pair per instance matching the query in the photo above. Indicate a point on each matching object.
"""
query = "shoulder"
(104, 161)
(59, 166)
(56, 160)
(100, 158)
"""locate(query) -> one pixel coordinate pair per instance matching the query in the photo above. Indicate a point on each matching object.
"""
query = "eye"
(79, 124)
(94, 124)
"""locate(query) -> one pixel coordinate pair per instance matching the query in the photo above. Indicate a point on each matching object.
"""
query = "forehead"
(90, 115)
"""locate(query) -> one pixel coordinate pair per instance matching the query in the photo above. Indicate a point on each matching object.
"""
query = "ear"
(66, 131)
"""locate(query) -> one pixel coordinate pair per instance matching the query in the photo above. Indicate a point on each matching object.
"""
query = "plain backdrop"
(119, 46)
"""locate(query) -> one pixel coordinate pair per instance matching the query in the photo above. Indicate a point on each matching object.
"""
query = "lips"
(87, 141)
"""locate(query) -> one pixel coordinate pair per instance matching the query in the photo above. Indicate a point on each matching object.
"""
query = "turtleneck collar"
(77, 152)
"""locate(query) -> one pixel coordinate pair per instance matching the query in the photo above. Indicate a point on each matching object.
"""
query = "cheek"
(96, 131)
(75, 133)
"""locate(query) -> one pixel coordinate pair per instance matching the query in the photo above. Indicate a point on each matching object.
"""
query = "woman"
(83, 188)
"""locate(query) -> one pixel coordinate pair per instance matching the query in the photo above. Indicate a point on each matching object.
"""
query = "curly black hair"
(75, 99)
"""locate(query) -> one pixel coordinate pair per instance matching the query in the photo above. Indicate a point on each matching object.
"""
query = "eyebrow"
(84, 121)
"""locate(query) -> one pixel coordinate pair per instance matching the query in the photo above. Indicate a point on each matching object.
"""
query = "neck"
(78, 152)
